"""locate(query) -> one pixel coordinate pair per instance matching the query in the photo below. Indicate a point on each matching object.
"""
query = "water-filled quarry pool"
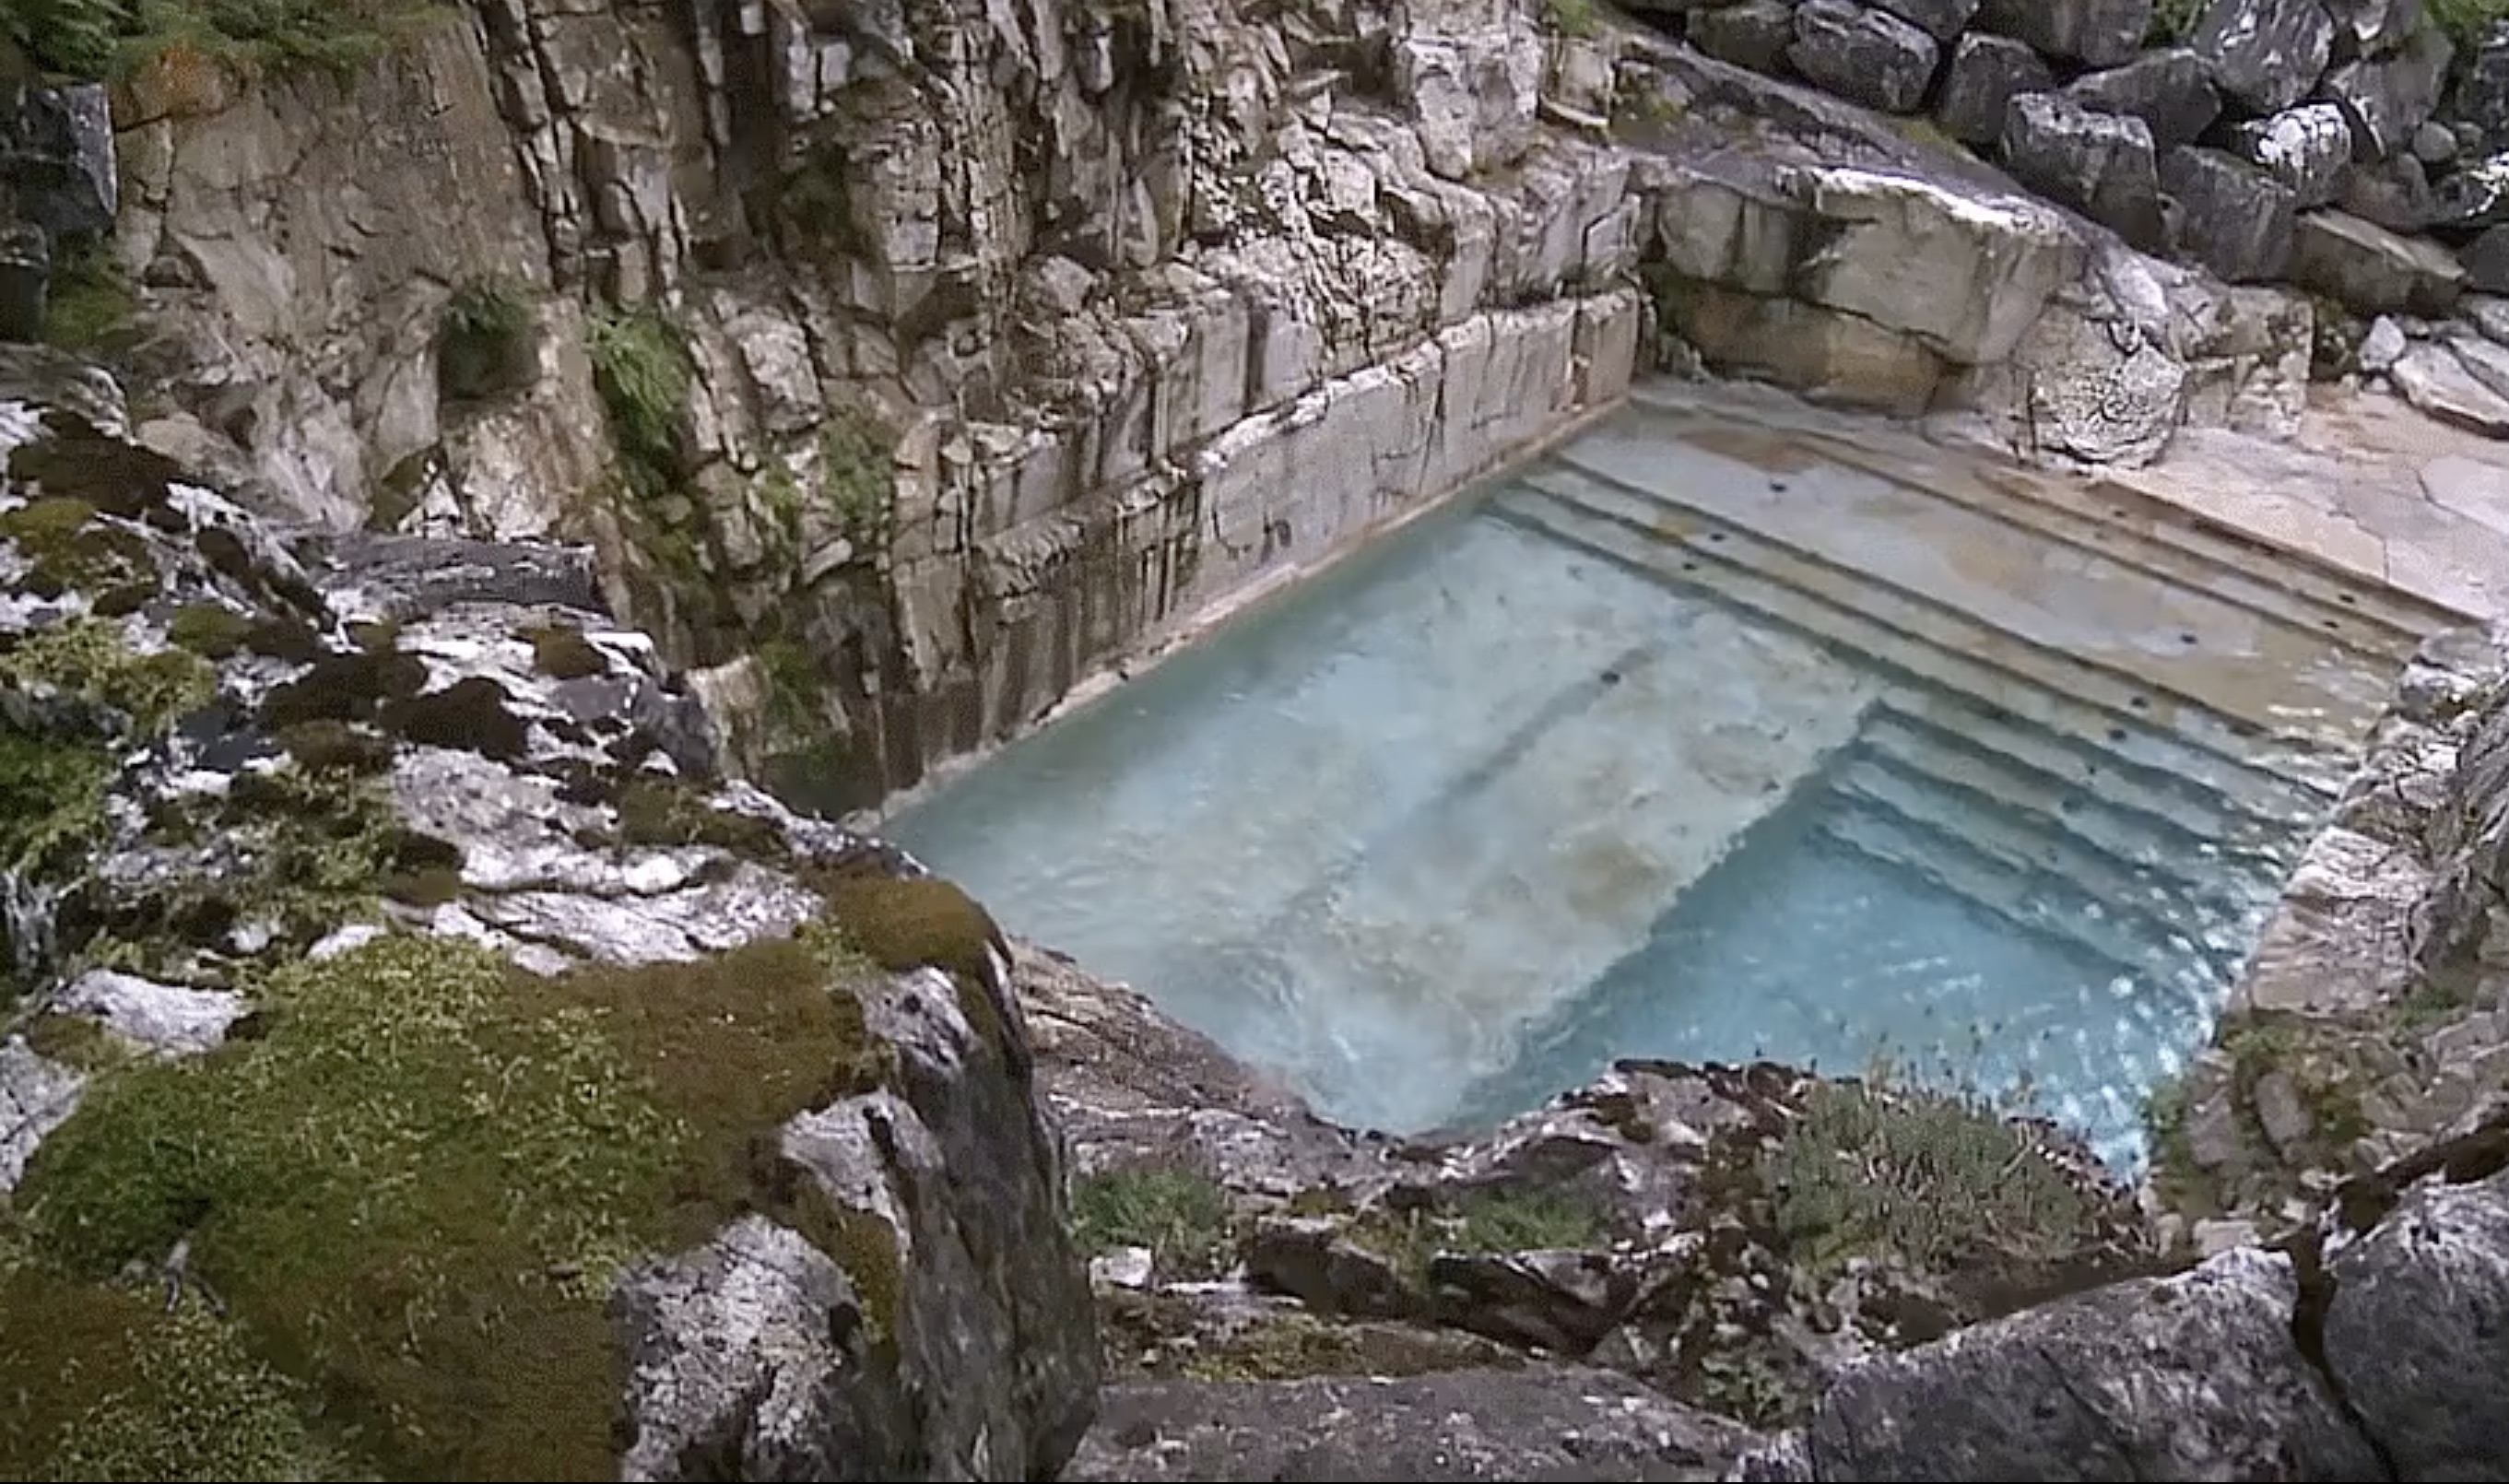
(1703, 738)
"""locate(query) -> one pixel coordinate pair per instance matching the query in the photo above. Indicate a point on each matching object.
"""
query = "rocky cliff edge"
(418, 1063)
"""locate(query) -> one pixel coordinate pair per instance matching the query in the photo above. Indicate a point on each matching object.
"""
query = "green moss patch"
(561, 652)
(52, 796)
(487, 344)
(415, 1186)
(91, 658)
(68, 547)
(119, 1387)
(662, 812)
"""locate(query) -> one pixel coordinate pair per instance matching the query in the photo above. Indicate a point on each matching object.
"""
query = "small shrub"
(52, 796)
(642, 368)
(1926, 1176)
(1181, 1216)
(487, 344)
(1536, 1221)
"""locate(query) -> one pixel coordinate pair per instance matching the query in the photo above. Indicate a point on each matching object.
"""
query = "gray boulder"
(2169, 90)
(2396, 194)
(2419, 1319)
(1754, 34)
(1986, 73)
(2372, 27)
(2099, 33)
(2308, 148)
(1942, 19)
(2233, 218)
(2265, 53)
(2369, 269)
(2101, 164)
(1867, 55)
(2487, 261)
(2387, 99)
(2194, 1377)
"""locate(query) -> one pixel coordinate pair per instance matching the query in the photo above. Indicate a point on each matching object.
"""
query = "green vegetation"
(1862, 1171)
(487, 343)
(2467, 22)
(1572, 17)
(2317, 1056)
(91, 658)
(2173, 22)
(642, 368)
(860, 479)
(412, 1191)
(119, 1387)
(70, 548)
(103, 39)
(1181, 1216)
(1486, 1223)
(89, 304)
(662, 812)
(52, 796)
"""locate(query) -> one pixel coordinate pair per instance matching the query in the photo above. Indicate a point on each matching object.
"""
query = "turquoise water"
(1448, 829)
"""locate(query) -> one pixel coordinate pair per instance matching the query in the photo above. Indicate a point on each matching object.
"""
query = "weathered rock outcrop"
(401, 1015)
(908, 365)
(905, 363)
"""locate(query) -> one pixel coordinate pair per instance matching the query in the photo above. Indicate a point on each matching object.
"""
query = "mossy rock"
(912, 922)
(663, 812)
(561, 652)
(70, 548)
(93, 659)
(52, 796)
(413, 1188)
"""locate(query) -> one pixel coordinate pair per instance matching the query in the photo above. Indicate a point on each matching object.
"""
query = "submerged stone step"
(2127, 525)
(2016, 681)
(2196, 845)
(2028, 900)
(2127, 636)
(1508, 894)
(2166, 903)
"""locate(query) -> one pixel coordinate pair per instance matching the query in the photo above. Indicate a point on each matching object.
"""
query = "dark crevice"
(2306, 1250)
